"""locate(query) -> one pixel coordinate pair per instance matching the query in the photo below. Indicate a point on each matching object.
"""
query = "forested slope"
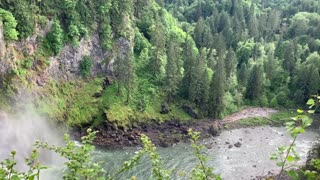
(131, 61)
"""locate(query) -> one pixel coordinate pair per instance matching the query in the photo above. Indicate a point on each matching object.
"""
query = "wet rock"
(131, 138)
(230, 146)
(238, 144)
(254, 166)
(214, 129)
(209, 146)
(227, 142)
(314, 153)
(189, 110)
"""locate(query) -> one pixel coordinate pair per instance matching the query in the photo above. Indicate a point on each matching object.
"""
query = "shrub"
(9, 25)
(85, 66)
(54, 38)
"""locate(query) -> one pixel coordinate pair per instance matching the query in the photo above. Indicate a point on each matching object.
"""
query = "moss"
(126, 115)
(72, 102)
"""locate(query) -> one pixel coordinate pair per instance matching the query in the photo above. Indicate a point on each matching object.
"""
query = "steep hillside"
(131, 61)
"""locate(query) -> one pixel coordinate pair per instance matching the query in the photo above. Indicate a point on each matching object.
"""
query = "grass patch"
(75, 104)
(276, 119)
(256, 121)
(72, 102)
(121, 114)
(281, 117)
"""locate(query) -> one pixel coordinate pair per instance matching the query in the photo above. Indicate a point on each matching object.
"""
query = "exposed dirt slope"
(248, 113)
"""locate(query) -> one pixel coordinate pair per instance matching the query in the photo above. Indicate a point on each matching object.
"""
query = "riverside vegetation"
(123, 63)
(80, 165)
(127, 62)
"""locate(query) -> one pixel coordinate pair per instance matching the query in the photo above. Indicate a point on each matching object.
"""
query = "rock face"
(2, 42)
(66, 64)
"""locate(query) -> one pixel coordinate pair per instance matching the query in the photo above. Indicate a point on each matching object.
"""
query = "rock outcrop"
(66, 64)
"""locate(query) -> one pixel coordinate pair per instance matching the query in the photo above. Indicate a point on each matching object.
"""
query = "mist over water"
(20, 130)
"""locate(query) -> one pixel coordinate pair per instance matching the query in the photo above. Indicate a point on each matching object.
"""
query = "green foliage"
(79, 163)
(27, 63)
(55, 38)
(202, 171)
(8, 170)
(9, 24)
(313, 174)
(74, 34)
(85, 66)
(157, 170)
(286, 156)
(73, 102)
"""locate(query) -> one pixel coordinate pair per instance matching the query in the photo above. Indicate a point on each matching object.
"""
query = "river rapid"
(249, 160)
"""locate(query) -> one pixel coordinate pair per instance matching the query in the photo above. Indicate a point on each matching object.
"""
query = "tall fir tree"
(217, 90)
(255, 86)
(172, 70)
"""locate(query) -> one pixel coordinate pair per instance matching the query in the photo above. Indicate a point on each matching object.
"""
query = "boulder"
(238, 144)
(214, 129)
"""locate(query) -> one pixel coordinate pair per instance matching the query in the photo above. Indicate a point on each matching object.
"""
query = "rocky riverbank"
(170, 132)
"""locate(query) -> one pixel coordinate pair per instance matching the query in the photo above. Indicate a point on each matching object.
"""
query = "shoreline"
(171, 132)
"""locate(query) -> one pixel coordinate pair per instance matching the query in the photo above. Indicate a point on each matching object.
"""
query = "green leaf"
(273, 157)
(32, 177)
(290, 159)
(300, 111)
(293, 174)
(280, 164)
(311, 102)
(298, 130)
(15, 177)
(311, 111)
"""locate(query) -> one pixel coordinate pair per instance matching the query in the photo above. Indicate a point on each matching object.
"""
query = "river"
(251, 159)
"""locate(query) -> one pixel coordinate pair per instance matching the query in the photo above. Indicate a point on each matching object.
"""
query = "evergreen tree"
(252, 22)
(231, 63)
(217, 90)
(158, 41)
(123, 70)
(198, 32)
(189, 55)
(289, 58)
(197, 82)
(255, 85)
(172, 70)
(55, 37)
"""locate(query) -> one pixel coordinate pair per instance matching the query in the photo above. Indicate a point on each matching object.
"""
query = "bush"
(85, 66)
(9, 25)
(55, 38)
(27, 63)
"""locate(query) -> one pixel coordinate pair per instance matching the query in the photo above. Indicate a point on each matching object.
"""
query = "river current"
(249, 160)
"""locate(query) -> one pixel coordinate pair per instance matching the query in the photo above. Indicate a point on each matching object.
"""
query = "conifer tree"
(55, 37)
(158, 40)
(189, 55)
(172, 70)
(197, 84)
(217, 90)
(255, 85)
(198, 32)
